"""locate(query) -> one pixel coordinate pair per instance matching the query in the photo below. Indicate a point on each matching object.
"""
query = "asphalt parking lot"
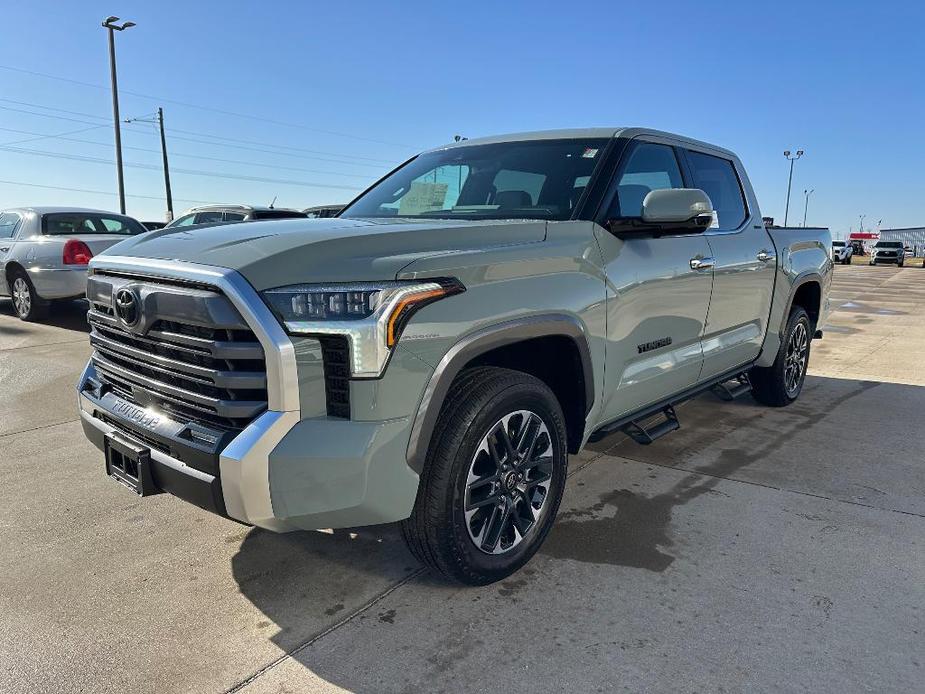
(753, 550)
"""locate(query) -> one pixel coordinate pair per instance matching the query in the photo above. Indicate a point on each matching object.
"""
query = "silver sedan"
(44, 252)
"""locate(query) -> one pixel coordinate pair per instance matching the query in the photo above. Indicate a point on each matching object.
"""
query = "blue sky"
(338, 92)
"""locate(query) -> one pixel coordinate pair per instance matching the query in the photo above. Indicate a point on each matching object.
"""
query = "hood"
(276, 253)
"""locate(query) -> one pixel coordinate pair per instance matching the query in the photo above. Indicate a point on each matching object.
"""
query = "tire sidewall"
(33, 297)
(524, 396)
(798, 315)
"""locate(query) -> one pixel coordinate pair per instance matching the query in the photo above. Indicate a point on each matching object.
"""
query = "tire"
(478, 544)
(27, 304)
(778, 385)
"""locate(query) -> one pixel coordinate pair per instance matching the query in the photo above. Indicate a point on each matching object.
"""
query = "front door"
(744, 270)
(656, 298)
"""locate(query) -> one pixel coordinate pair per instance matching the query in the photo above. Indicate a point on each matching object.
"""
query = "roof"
(584, 133)
(48, 209)
(251, 208)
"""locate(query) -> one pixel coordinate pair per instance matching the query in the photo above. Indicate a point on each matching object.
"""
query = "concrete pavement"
(755, 549)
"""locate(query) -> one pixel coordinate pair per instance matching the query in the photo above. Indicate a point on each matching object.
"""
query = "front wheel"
(780, 384)
(493, 478)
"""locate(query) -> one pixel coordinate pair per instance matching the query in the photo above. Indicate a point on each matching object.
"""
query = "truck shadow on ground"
(305, 583)
(627, 528)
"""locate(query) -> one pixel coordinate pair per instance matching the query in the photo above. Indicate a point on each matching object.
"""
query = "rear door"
(656, 301)
(745, 264)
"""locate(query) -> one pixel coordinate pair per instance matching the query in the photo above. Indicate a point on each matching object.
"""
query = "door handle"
(699, 263)
(4, 249)
(764, 256)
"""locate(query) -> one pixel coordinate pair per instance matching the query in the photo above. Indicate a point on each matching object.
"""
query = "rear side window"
(72, 223)
(717, 178)
(279, 214)
(650, 167)
(207, 217)
(234, 217)
(8, 223)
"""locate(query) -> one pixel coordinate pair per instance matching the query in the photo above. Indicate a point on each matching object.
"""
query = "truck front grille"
(182, 361)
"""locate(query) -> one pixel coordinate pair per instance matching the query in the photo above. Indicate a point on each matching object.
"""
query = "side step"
(642, 432)
(733, 388)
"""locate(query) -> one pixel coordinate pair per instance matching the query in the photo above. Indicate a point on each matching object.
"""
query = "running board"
(646, 434)
(733, 388)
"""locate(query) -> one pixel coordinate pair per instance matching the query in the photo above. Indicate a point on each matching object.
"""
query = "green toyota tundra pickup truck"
(434, 353)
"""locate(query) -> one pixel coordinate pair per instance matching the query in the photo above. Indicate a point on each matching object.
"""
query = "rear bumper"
(59, 283)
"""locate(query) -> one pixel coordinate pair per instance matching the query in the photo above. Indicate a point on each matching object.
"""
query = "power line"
(340, 158)
(190, 172)
(58, 136)
(222, 160)
(209, 108)
(100, 192)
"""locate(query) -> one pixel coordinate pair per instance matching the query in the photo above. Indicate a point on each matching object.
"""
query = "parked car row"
(44, 251)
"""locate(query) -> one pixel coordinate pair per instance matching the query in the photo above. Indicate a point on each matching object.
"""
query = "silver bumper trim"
(244, 464)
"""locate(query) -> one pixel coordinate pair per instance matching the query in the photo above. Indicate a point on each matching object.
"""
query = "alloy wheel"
(22, 297)
(508, 482)
(797, 355)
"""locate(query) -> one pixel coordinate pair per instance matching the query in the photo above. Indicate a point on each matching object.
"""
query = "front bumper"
(59, 283)
(894, 260)
(282, 471)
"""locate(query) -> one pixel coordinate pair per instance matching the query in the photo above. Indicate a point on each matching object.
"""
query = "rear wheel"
(780, 384)
(493, 479)
(29, 306)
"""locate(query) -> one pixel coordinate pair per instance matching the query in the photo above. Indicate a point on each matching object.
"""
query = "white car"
(44, 252)
(891, 252)
(842, 252)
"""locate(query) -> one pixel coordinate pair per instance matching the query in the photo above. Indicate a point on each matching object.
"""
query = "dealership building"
(911, 237)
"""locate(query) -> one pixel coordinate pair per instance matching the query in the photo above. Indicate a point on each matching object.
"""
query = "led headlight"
(371, 315)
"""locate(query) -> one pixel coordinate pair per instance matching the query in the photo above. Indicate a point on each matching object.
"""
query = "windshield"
(838, 244)
(888, 244)
(538, 179)
(68, 223)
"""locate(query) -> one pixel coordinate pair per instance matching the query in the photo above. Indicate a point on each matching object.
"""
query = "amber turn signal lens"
(405, 307)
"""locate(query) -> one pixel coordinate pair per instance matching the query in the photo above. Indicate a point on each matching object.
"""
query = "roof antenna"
(273, 202)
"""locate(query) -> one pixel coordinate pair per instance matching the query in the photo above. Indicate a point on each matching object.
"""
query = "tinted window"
(279, 214)
(234, 217)
(206, 217)
(533, 179)
(717, 178)
(8, 224)
(66, 223)
(650, 167)
(838, 244)
(889, 244)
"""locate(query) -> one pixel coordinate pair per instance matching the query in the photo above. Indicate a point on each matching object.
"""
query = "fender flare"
(801, 279)
(477, 343)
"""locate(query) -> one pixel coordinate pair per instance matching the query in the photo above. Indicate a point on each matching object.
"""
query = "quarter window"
(650, 167)
(717, 178)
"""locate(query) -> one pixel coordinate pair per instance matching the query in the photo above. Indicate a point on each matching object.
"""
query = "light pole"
(790, 180)
(806, 194)
(861, 224)
(110, 24)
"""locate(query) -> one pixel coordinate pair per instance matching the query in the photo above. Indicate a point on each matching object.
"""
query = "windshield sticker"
(422, 197)
(589, 153)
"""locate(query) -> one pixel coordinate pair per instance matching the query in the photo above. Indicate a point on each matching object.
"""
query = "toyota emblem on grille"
(127, 307)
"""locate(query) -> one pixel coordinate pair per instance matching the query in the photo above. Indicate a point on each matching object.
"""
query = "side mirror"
(669, 211)
(687, 209)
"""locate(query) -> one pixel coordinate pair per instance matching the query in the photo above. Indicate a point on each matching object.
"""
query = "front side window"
(717, 178)
(184, 221)
(9, 221)
(533, 179)
(68, 223)
(650, 167)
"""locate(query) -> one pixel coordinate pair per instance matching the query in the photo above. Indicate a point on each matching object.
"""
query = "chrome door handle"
(764, 256)
(702, 263)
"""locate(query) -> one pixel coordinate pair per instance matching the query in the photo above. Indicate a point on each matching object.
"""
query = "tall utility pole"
(111, 26)
(790, 180)
(861, 223)
(159, 119)
(160, 122)
(806, 194)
